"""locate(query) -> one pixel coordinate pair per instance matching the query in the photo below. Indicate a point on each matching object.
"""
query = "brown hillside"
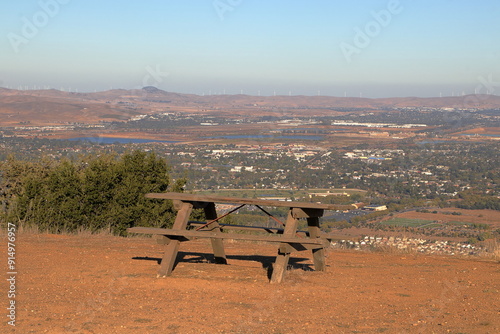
(102, 284)
(55, 107)
(36, 110)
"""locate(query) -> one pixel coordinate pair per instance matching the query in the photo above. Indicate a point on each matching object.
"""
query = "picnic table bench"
(288, 238)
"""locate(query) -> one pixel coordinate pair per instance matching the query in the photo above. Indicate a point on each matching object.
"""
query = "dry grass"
(29, 229)
(26, 229)
(492, 249)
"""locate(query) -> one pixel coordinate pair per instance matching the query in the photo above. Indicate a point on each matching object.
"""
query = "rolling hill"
(58, 107)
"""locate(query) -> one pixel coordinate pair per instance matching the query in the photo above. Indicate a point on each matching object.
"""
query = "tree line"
(91, 192)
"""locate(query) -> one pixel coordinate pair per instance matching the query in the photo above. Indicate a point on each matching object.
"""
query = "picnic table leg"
(171, 249)
(318, 254)
(281, 263)
(217, 244)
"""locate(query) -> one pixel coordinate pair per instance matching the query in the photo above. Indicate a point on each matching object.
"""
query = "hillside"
(104, 284)
(57, 107)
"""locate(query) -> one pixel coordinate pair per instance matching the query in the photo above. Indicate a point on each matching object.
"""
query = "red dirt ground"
(104, 284)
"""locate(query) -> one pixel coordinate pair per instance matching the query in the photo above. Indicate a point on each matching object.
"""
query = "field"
(105, 284)
(455, 216)
(407, 222)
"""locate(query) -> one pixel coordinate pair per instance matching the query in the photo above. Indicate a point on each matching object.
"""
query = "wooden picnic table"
(289, 239)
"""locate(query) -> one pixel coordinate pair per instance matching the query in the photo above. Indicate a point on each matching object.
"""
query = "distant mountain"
(56, 107)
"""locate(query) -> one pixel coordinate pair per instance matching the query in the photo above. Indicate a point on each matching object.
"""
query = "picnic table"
(288, 238)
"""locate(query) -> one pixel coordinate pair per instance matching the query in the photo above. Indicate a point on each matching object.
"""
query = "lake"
(119, 140)
(268, 137)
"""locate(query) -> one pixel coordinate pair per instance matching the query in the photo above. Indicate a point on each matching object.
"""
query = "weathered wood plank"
(274, 230)
(250, 201)
(298, 247)
(307, 212)
(217, 244)
(281, 263)
(279, 267)
(172, 248)
(169, 258)
(284, 248)
(182, 217)
(318, 254)
(235, 236)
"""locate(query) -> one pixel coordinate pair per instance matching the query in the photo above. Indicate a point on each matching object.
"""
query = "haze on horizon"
(378, 48)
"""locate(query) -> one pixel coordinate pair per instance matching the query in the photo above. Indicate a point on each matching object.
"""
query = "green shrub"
(92, 193)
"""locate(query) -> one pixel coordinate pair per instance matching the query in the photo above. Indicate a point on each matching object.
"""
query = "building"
(375, 207)
(328, 193)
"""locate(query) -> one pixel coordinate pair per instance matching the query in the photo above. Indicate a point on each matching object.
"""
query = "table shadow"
(266, 261)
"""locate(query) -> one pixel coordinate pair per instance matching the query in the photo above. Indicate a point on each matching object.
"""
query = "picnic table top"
(250, 201)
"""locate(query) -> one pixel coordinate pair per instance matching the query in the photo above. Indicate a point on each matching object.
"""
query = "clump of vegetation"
(473, 201)
(93, 192)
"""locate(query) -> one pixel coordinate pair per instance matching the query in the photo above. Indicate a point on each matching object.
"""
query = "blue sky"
(355, 48)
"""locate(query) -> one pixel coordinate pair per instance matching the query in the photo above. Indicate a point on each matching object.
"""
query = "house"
(239, 169)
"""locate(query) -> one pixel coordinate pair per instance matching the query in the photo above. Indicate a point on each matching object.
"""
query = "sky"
(368, 48)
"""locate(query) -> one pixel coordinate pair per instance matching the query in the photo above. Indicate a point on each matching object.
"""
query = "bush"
(92, 193)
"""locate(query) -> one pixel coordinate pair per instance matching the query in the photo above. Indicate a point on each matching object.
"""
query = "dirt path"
(96, 284)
